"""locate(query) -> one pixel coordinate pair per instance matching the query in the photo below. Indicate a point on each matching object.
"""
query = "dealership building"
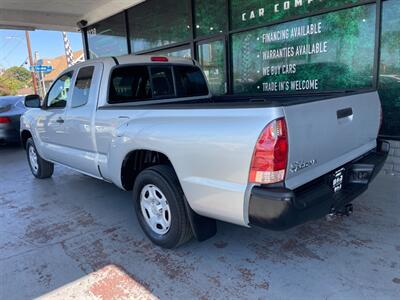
(256, 46)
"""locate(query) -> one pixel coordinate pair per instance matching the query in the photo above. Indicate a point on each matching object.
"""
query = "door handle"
(60, 120)
(344, 113)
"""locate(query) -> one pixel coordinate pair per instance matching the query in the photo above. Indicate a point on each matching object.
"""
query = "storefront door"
(211, 56)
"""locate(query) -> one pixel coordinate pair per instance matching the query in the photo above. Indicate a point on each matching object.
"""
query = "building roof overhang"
(57, 15)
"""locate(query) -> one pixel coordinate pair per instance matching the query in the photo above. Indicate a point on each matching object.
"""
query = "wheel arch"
(138, 160)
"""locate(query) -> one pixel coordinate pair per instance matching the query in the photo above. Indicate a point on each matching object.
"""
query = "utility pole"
(28, 44)
(41, 85)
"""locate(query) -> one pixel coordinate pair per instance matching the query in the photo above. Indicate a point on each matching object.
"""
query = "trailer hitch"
(335, 213)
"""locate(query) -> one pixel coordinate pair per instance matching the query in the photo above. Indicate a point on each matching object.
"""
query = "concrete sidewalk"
(73, 237)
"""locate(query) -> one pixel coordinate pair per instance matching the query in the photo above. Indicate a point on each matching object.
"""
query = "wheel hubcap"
(33, 159)
(155, 209)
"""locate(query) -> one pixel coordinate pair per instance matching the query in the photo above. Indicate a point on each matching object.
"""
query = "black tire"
(44, 169)
(164, 178)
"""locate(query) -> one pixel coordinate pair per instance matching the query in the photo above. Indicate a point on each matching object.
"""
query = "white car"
(150, 125)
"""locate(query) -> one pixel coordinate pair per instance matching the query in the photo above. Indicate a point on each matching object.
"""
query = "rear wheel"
(160, 207)
(40, 168)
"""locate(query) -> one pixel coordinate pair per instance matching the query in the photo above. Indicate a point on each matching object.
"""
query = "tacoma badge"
(300, 165)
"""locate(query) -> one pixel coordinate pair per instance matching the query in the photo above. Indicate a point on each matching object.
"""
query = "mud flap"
(203, 228)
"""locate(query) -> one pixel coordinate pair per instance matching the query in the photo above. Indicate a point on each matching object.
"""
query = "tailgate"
(324, 135)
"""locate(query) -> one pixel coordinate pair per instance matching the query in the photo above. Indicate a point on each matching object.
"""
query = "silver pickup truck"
(149, 125)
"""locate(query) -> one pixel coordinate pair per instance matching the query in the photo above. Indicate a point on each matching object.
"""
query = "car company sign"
(255, 12)
(325, 52)
(276, 8)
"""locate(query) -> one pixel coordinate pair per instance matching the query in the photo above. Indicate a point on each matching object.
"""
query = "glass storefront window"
(108, 37)
(331, 48)
(333, 51)
(212, 60)
(257, 12)
(182, 52)
(210, 17)
(156, 23)
(389, 77)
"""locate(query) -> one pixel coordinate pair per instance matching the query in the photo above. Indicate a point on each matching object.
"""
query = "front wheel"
(40, 168)
(160, 207)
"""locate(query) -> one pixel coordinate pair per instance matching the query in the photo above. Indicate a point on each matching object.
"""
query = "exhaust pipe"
(345, 211)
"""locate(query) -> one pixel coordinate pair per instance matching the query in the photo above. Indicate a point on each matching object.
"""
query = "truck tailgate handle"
(344, 113)
(60, 121)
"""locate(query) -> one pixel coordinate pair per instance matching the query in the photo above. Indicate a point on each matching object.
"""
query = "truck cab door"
(51, 125)
(80, 140)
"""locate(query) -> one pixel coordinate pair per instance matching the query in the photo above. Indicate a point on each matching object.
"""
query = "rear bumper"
(10, 132)
(280, 208)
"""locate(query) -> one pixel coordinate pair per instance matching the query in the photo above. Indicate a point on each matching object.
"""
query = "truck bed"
(243, 101)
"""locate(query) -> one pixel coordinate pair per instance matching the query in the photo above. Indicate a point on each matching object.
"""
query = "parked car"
(11, 109)
(150, 125)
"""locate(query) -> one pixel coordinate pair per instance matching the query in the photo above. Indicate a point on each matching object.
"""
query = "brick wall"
(392, 166)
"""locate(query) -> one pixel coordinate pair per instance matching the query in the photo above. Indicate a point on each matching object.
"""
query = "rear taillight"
(381, 119)
(5, 120)
(270, 156)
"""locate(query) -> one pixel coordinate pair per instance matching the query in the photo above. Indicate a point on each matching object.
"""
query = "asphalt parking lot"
(74, 237)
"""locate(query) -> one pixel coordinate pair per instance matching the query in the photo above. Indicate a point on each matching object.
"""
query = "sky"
(49, 44)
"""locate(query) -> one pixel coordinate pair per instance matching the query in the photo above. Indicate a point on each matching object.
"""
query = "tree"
(14, 79)
(19, 73)
(4, 90)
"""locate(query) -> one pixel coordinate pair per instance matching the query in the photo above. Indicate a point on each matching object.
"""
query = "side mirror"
(32, 101)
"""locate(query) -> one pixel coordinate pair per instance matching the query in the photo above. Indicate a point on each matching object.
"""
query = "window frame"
(45, 100)
(152, 100)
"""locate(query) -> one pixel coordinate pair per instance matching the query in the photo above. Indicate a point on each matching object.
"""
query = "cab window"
(58, 94)
(162, 82)
(190, 81)
(130, 84)
(83, 82)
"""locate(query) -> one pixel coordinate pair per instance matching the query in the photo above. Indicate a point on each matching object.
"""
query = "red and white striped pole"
(68, 50)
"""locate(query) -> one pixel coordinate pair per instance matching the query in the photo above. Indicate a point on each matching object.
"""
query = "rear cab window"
(143, 83)
(162, 82)
(190, 81)
(130, 84)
